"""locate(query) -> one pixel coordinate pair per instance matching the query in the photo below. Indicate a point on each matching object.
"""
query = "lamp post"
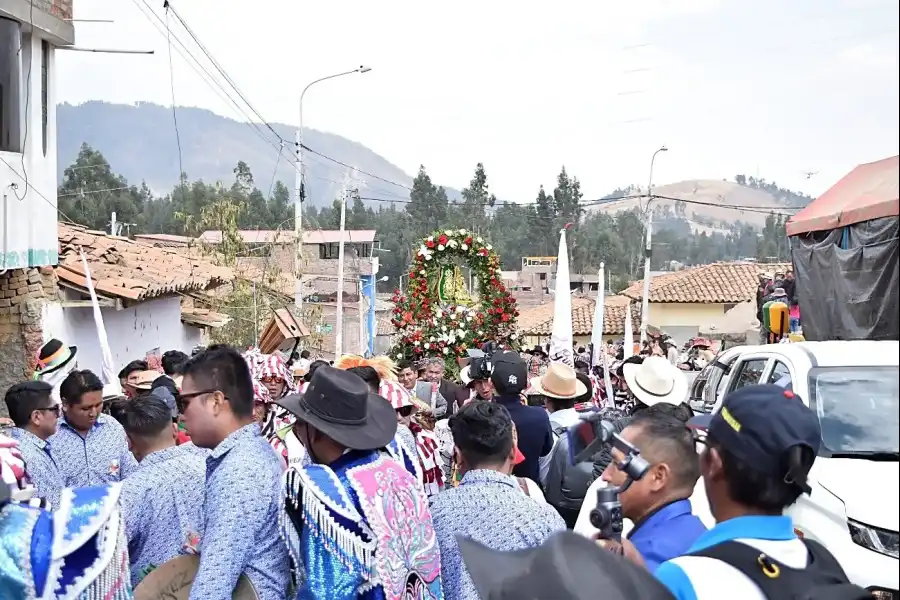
(299, 191)
(645, 298)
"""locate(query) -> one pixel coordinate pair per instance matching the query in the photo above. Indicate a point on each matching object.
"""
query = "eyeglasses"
(53, 409)
(182, 400)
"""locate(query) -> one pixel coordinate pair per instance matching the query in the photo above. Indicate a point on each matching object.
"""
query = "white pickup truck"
(853, 387)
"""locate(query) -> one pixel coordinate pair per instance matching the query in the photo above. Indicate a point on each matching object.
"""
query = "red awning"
(869, 191)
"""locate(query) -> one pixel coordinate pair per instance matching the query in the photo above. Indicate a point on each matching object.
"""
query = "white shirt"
(561, 418)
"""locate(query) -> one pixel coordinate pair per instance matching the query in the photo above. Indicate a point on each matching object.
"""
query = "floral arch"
(437, 316)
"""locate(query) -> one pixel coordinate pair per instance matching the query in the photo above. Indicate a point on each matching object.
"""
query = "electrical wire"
(37, 191)
(174, 112)
(27, 95)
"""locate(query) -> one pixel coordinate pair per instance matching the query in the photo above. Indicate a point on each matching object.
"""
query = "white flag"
(629, 332)
(561, 335)
(111, 386)
(599, 356)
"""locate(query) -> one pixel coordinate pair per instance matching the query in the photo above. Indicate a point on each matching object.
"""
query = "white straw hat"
(560, 381)
(656, 381)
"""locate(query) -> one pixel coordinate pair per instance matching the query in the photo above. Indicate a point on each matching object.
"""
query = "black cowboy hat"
(565, 567)
(54, 355)
(339, 404)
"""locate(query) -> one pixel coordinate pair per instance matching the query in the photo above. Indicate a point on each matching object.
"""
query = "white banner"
(599, 356)
(629, 332)
(561, 335)
(108, 375)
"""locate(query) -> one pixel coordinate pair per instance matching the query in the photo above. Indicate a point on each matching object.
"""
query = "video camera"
(480, 365)
(588, 437)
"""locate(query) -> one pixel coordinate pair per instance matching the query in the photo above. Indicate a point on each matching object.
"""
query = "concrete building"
(30, 34)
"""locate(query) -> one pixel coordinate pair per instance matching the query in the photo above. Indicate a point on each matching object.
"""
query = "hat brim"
(377, 432)
(73, 350)
(538, 389)
(488, 568)
(700, 422)
(677, 396)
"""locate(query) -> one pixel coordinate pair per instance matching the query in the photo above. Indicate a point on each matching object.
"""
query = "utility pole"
(645, 299)
(339, 321)
(112, 224)
(299, 196)
(362, 319)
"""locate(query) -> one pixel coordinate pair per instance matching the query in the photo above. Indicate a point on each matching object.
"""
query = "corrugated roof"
(283, 236)
(718, 283)
(870, 191)
(122, 268)
(539, 320)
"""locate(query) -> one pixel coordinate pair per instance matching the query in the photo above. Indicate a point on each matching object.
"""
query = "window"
(328, 251)
(10, 86)
(45, 89)
(780, 376)
(748, 373)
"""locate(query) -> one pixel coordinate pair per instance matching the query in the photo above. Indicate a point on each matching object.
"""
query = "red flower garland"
(424, 328)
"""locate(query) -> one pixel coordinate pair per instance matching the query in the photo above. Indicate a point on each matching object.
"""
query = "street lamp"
(299, 192)
(645, 298)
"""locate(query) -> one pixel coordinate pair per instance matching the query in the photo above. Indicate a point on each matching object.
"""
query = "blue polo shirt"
(666, 533)
(703, 578)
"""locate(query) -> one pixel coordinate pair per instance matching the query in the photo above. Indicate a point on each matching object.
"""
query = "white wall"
(26, 235)
(132, 332)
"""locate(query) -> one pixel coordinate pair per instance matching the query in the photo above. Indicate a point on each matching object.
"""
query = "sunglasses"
(53, 409)
(183, 400)
(406, 411)
(271, 380)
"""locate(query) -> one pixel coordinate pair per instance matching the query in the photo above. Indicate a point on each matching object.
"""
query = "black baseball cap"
(565, 567)
(509, 376)
(760, 424)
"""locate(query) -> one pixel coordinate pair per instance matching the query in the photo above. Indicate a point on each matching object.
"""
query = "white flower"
(460, 309)
(432, 339)
(451, 244)
(479, 240)
(427, 257)
(443, 328)
(448, 232)
(446, 350)
(421, 271)
(416, 343)
(468, 317)
(464, 247)
(514, 336)
(461, 333)
(427, 345)
(430, 238)
(440, 247)
(462, 232)
(399, 356)
(489, 247)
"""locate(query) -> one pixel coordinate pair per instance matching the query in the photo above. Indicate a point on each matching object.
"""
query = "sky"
(768, 88)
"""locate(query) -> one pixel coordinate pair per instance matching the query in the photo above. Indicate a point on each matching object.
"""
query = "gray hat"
(166, 396)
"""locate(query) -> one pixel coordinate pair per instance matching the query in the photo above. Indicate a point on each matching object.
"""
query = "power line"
(36, 191)
(174, 112)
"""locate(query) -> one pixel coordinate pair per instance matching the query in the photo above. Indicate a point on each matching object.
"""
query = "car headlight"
(875, 539)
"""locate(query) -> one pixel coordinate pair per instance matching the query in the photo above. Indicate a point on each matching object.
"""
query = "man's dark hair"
(304, 354)
(663, 438)
(135, 365)
(173, 362)
(482, 431)
(405, 364)
(683, 412)
(77, 384)
(312, 369)
(115, 408)
(221, 367)
(24, 398)
(750, 487)
(367, 374)
(145, 416)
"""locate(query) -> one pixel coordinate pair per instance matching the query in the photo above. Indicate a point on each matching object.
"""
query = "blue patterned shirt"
(488, 507)
(243, 499)
(162, 503)
(99, 458)
(39, 465)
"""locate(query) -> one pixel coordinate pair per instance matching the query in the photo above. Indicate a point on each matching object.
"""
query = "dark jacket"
(453, 394)
(535, 435)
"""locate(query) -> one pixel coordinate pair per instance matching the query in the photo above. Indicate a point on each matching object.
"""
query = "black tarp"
(848, 283)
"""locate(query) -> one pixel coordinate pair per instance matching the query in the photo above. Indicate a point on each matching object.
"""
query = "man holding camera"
(476, 376)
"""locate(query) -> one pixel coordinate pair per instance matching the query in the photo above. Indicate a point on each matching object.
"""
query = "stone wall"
(22, 295)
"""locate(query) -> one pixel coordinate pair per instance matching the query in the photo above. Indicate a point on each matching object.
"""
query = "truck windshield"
(857, 408)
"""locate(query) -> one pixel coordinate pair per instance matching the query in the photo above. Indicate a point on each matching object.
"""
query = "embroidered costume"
(359, 527)
(77, 552)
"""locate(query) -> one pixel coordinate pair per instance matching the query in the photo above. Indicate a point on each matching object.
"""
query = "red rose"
(429, 244)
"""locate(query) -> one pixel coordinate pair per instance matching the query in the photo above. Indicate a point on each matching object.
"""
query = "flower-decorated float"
(438, 315)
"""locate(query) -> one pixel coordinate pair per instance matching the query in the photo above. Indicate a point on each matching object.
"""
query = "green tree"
(477, 197)
(428, 205)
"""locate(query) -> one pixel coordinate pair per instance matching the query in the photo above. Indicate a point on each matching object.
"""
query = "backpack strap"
(822, 578)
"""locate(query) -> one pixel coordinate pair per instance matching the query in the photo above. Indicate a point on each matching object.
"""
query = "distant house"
(143, 293)
(536, 324)
(683, 301)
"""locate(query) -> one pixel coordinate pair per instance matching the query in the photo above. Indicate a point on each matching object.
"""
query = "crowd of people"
(362, 478)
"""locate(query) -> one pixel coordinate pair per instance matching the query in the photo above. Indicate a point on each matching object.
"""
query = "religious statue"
(451, 287)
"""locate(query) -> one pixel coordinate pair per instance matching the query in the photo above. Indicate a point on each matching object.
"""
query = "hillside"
(707, 218)
(140, 143)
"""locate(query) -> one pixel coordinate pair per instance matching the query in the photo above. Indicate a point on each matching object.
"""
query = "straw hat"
(560, 381)
(656, 381)
(144, 380)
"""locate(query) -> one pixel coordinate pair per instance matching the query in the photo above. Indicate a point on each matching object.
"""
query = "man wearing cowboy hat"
(337, 510)
(560, 387)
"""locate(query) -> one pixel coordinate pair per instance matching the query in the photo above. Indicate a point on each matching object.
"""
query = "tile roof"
(717, 283)
(539, 320)
(164, 240)
(202, 317)
(122, 268)
(286, 236)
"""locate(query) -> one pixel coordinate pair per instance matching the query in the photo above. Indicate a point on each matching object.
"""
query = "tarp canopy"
(870, 191)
